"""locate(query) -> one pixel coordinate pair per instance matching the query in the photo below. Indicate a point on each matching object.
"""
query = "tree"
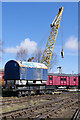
(21, 54)
(53, 61)
(38, 56)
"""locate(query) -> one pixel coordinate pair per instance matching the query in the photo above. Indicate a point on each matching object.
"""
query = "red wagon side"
(1, 77)
(58, 80)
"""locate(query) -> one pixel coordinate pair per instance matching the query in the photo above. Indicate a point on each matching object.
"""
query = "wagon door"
(61, 81)
(74, 81)
(50, 80)
(22, 73)
(65, 81)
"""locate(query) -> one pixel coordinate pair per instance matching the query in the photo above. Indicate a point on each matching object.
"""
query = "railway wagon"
(18, 75)
(79, 80)
(67, 80)
(1, 78)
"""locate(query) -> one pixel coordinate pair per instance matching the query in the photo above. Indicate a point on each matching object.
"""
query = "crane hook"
(62, 53)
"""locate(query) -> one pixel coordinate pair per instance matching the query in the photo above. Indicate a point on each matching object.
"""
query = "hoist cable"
(62, 38)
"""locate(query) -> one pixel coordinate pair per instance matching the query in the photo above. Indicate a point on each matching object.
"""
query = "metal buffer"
(52, 38)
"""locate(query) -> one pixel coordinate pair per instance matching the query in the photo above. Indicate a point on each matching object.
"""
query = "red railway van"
(1, 77)
(67, 80)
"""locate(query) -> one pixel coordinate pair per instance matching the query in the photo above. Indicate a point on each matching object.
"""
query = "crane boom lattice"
(52, 38)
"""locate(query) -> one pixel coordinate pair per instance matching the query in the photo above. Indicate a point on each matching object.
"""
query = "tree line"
(22, 55)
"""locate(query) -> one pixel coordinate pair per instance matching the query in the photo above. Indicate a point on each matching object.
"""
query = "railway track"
(8, 101)
(22, 111)
(46, 112)
(21, 100)
(37, 111)
(76, 115)
(4, 103)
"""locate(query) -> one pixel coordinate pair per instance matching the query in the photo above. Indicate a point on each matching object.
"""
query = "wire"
(62, 31)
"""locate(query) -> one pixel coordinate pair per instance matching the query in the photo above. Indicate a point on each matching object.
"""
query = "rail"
(76, 115)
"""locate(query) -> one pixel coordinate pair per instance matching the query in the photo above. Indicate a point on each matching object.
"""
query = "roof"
(32, 64)
(62, 74)
(1, 70)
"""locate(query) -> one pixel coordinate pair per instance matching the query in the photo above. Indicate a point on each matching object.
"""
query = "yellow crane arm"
(52, 38)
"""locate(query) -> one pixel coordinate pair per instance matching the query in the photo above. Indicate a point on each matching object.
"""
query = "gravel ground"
(63, 112)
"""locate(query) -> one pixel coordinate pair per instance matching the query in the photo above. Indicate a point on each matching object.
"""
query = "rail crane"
(52, 38)
(24, 77)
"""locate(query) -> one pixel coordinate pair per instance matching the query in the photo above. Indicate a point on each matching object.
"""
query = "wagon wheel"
(29, 93)
(19, 94)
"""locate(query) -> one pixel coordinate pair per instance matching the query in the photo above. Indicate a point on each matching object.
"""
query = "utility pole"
(59, 69)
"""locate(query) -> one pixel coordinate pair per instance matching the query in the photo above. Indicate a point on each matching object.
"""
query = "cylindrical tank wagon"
(22, 74)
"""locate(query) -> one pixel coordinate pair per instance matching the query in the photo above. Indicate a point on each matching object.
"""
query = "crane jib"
(46, 58)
